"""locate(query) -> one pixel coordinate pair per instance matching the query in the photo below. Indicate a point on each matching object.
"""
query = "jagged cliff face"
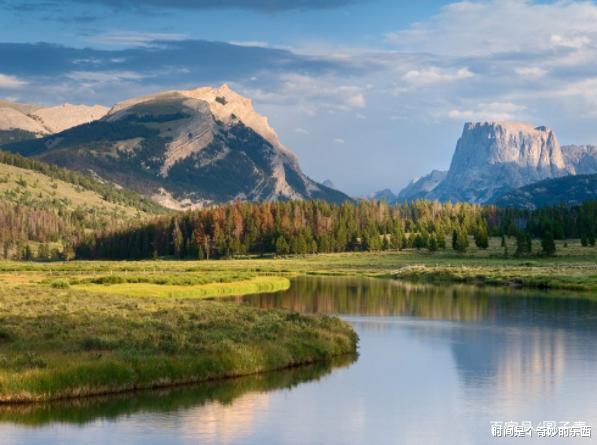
(581, 158)
(494, 157)
(23, 122)
(186, 149)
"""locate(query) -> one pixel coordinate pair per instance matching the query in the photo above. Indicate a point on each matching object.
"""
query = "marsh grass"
(61, 343)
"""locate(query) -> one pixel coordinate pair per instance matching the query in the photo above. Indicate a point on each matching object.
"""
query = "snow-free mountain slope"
(25, 121)
(185, 148)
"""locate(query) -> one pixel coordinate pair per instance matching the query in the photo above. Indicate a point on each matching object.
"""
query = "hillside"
(42, 203)
(184, 149)
(569, 190)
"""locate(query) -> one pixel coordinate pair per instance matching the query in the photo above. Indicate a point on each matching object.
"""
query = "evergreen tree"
(282, 247)
(433, 244)
(548, 244)
(481, 236)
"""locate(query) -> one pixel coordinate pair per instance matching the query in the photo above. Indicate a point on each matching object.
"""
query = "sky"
(367, 93)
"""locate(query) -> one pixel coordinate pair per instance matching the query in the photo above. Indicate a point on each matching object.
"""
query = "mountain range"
(184, 148)
(494, 158)
(192, 148)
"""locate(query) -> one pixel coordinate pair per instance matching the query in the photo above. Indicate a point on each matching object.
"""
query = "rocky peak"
(495, 156)
(497, 142)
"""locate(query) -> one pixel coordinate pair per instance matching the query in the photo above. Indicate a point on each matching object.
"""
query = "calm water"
(436, 365)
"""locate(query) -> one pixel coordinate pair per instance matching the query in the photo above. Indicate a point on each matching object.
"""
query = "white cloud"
(501, 26)
(309, 94)
(135, 39)
(8, 82)
(488, 111)
(300, 130)
(338, 141)
(435, 75)
(532, 71)
(570, 41)
(104, 76)
(250, 43)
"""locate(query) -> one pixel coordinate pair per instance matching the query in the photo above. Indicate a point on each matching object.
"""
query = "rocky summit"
(184, 148)
(494, 157)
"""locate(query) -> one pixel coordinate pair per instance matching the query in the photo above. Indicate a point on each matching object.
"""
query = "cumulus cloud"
(501, 26)
(11, 82)
(311, 94)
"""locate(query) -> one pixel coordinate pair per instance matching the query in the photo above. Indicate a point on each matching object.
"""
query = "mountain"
(494, 157)
(20, 122)
(581, 158)
(186, 148)
(569, 190)
(419, 188)
(384, 195)
(329, 183)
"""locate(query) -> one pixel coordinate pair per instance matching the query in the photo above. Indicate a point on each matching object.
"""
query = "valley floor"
(92, 327)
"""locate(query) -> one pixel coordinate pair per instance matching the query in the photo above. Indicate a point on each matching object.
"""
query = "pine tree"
(282, 247)
(481, 236)
(433, 244)
(547, 244)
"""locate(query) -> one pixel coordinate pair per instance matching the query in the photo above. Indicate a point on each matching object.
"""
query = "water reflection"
(386, 298)
(436, 365)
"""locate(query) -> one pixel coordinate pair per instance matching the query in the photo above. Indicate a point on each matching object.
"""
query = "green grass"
(60, 343)
(70, 329)
(574, 267)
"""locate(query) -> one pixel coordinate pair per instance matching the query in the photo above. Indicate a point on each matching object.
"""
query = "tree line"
(300, 227)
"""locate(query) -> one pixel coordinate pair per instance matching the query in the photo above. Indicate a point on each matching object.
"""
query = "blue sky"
(368, 93)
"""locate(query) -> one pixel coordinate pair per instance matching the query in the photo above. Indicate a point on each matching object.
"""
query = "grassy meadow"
(65, 342)
(78, 328)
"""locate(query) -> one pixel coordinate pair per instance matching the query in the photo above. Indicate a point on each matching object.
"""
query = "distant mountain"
(329, 183)
(420, 188)
(19, 122)
(581, 158)
(568, 190)
(494, 157)
(187, 148)
(384, 195)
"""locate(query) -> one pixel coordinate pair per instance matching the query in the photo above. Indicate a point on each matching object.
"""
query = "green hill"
(44, 209)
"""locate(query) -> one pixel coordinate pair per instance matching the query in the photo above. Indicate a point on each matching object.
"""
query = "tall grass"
(60, 343)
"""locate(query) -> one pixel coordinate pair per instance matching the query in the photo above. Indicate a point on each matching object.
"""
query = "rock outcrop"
(492, 158)
(581, 158)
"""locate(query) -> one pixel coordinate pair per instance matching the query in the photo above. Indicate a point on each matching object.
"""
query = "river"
(436, 365)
